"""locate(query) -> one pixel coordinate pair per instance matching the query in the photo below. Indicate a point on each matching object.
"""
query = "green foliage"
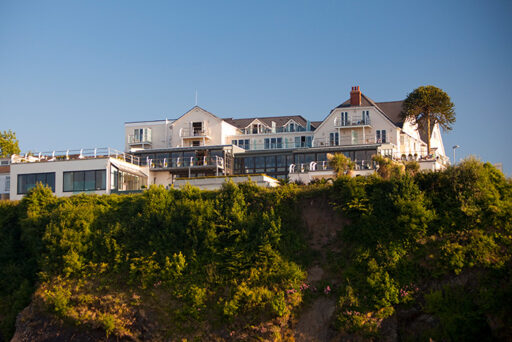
(208, 252)
(230, 257)
(341, 164)
(406, 230)
(428, 105)
(8, 144)
(460, 317)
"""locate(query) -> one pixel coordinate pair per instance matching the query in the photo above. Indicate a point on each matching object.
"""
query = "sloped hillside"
(401, 259)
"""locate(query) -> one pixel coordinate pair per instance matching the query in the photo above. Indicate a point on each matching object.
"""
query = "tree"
(8, 144)
(340, 163)
(428, 105)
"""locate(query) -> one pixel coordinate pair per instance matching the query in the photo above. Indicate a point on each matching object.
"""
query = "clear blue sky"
(72, 72)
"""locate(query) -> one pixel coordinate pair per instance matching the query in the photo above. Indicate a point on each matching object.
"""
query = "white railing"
(84, 153)
(194, 132)
(324, 166)
(351, 121)
(136, 139)
(185, 162)
(351, 140)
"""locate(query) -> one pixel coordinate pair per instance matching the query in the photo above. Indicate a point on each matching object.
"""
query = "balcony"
(345, 141)
(195, 132)
(351, 121)
(139, 140)
(187, 162)
(323, 165)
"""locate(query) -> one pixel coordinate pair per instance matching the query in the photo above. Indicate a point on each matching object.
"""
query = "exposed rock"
(313, 325)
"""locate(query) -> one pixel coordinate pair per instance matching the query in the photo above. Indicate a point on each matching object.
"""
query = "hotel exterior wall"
(378, 122)
(158, 133)
(59, 167)
(213, 124)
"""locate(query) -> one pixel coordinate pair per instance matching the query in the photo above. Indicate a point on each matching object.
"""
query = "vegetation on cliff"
(183, 264)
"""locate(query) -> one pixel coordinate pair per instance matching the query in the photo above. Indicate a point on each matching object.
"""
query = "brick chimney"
(355, 96)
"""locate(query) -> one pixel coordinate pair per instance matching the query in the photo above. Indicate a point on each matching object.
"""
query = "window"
(366, 117)
(90, 180)
(303, 141)
(244, 143)
(197, 128)
(355, 137)
(7, 183)
(28, 181)
(196, 143)
(381, 136)
(141, 135)
(334, 139)
(273, 143)
(344, 118)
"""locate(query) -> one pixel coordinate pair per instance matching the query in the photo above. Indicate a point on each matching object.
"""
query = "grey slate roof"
(279, 120)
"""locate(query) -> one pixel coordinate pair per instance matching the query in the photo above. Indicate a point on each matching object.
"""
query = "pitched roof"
(279, 120)
(392, 109)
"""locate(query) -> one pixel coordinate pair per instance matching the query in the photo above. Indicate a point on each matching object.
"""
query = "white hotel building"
(199, 144)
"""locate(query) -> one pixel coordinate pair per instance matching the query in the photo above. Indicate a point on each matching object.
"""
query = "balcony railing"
(186, 162)
(194, 132)
(325, 166)
(344, 141)
(298, 129)
(351, 121)
(84, 153)
(137, 140)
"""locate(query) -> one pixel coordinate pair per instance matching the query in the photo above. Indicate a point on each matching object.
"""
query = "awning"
(128, 168)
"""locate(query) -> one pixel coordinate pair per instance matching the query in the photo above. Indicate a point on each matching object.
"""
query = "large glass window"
(259, 164)
(90, 180)
(270, 162)
(28, 181)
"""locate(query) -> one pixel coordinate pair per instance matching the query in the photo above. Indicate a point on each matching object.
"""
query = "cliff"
(408, 258)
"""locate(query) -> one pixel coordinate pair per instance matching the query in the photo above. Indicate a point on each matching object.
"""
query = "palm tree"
(428, 105)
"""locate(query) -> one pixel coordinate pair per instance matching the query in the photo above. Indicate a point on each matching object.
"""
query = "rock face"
(314, 323)
(33, 325)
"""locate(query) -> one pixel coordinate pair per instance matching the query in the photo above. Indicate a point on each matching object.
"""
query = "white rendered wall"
(59, 167)
(158, 133)
(196, 114)
(378, 122)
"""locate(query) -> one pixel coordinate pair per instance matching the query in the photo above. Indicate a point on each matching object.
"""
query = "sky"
(72, 72)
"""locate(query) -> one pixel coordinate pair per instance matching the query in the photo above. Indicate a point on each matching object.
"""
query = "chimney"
(355, 96)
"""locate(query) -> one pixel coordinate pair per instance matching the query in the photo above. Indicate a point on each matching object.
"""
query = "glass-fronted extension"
(90, 180)
(29, 181)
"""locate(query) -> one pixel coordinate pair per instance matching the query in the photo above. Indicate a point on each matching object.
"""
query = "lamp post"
(454, 148)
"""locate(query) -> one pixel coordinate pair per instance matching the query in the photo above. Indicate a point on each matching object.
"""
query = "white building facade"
(279, 145)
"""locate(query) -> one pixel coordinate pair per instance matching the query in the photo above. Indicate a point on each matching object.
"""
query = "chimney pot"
(355, 96)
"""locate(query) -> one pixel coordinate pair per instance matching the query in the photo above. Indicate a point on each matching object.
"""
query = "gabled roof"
(391, 109)
(196, 107)
(279, 120)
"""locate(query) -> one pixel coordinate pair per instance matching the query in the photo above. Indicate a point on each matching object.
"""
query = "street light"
(454, 148)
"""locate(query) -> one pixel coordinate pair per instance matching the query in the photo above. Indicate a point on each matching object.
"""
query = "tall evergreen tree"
(428, 105)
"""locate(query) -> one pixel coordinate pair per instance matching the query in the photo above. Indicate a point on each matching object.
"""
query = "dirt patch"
(314, 322)
(322, 222)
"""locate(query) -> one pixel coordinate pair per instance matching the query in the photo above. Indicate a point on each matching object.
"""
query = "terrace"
(76, 154)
